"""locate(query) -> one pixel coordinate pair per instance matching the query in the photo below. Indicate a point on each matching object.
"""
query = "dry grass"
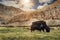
(22, 33)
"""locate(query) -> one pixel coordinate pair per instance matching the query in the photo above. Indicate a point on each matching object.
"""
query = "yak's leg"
(43, 29)
(32, 29)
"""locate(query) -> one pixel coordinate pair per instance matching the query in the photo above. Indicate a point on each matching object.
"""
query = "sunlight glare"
(26, 1)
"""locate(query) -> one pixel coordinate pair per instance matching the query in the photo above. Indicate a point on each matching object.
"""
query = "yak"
(40, 25)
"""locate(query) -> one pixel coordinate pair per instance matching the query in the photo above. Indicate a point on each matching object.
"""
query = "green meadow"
(24, 33)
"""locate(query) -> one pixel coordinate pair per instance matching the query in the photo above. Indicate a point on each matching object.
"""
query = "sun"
(26, 1)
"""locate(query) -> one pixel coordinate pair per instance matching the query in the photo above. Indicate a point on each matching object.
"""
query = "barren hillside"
(50, 13)
(7, 12)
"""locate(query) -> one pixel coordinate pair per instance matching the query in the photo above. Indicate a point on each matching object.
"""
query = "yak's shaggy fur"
(40, 25)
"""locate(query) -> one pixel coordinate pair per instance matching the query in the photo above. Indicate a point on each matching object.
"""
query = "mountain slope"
(50, 13)
(7, 12)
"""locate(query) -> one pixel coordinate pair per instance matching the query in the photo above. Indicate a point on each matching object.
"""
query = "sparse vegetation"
(23, 33)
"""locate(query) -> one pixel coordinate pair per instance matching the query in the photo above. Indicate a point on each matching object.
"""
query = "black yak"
(40, 25)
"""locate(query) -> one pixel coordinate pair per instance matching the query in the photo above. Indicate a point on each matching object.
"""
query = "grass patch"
(23, 33)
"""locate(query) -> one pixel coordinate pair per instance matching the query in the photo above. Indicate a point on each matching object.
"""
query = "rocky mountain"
(50, 13)
(15, 16)
(7, 12)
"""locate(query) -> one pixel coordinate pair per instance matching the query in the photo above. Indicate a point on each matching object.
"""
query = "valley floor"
(24, 33)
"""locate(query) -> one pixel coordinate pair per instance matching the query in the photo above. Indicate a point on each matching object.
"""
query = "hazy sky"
(26, 4)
